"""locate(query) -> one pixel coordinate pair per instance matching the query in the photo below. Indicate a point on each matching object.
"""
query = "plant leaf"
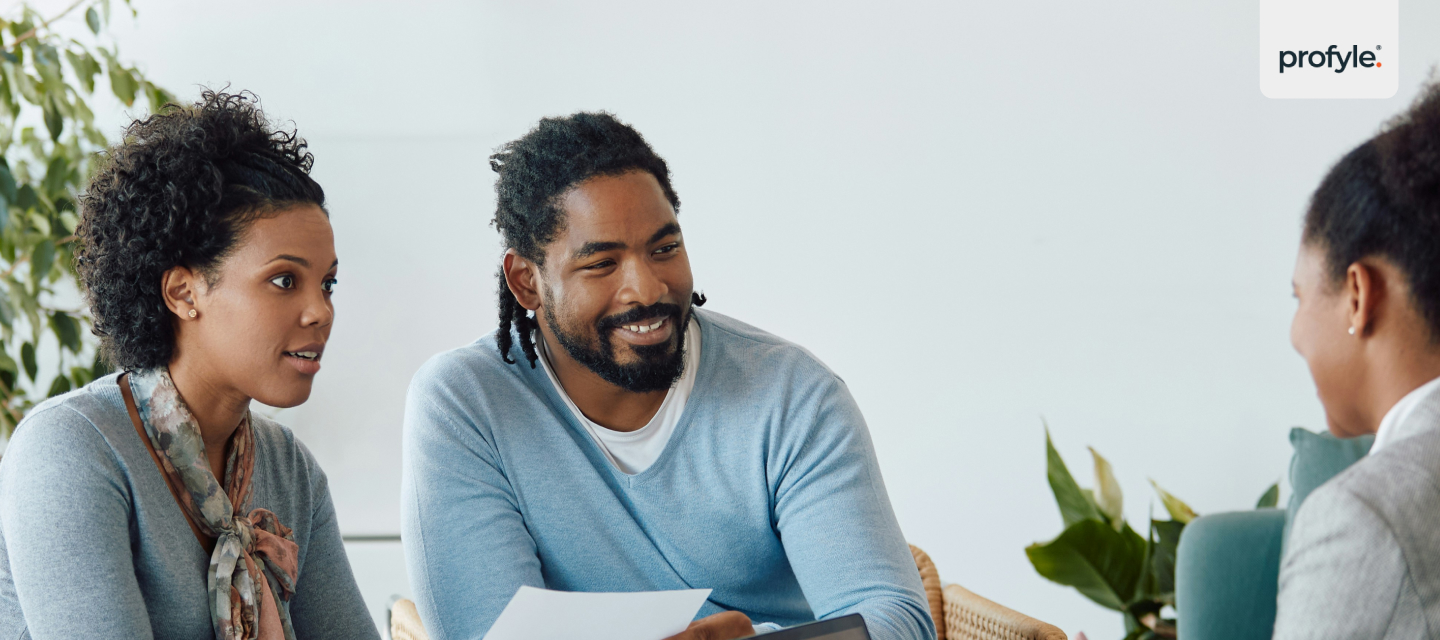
(8, 364)
(81, 376)
(40, 222)
(84, 67)
(26, 84)
(57, 172)
(1145, 586)
(1179, 511)
(1074, 507)
(54, 122)
(67, 330)
(27, 358)
(83, 112)
(59, 386)
(47, 62)
(7, 183)
(1270, 498)
(122, 83)
(40, 262)
(1090, 495)
(92, 18)
(26, 198)
(1108, 497)
(100, 368)
(1162, 558)
(1101, 563)
(7, 312)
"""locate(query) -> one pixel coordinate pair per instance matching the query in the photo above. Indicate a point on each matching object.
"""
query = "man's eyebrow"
(296, 259)
(667, 230)
(592, 248)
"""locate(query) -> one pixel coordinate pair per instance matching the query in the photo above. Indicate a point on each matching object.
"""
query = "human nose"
(641, 285)
(318, 312)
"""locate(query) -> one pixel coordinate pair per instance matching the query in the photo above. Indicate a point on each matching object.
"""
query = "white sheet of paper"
(542, 614)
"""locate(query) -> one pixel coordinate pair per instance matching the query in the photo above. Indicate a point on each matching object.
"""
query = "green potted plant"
(1108, 561)
(48, 139)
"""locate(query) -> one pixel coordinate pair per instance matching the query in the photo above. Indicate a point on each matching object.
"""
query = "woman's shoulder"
(86, 428)
(94, 411)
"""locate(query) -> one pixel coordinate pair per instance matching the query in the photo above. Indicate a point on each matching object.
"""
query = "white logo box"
(1354, 27)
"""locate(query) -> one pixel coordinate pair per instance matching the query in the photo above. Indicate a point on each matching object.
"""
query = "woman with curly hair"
(152, 502)
(1362, 559)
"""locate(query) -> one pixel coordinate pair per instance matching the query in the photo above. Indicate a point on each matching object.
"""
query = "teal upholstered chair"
(1228, 565)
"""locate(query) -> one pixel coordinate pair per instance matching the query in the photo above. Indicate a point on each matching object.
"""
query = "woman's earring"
(1352, 329)
(194, 313)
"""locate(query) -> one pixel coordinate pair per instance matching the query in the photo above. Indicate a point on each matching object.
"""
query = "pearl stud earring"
(194, 313)
(1352, 329)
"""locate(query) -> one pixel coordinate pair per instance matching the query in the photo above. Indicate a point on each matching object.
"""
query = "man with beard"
(611, 436)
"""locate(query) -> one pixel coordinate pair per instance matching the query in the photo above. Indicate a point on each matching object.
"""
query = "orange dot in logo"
(1379, 65)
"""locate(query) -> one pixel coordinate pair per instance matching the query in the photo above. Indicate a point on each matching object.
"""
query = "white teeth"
(306, 355)
(645, 328)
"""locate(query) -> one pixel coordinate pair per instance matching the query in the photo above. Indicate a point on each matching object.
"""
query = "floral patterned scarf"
(255, 564)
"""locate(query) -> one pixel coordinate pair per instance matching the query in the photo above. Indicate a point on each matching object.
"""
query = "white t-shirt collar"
(633, 452)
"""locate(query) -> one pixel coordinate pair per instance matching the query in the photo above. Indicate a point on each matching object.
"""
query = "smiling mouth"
(304, 355)
(644, 328)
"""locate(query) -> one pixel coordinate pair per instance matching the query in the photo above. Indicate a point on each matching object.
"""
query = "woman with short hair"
(1363, 555)
(152, 502)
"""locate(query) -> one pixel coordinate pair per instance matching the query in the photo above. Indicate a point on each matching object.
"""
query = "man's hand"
(721, 626)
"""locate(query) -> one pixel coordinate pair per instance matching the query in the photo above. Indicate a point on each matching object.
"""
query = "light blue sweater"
(768, 493)
(92, 544)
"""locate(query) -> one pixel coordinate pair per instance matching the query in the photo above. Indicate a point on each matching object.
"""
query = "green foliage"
(1075, 506)
(1103, 558)
(1095, 559)
(1179, 511)
(48, 138)
(1107, 496)
(1270, 499)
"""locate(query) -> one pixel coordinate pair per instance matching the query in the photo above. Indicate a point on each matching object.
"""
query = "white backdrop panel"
(977, 214)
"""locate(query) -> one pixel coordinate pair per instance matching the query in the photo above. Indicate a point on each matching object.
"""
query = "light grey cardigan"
(92, 544)
(1363, 558)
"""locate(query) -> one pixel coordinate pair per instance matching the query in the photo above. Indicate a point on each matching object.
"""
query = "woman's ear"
(1364, 292)
(179, 286)
(523, 278)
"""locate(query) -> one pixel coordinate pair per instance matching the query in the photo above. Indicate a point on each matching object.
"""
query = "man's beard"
(658, 367)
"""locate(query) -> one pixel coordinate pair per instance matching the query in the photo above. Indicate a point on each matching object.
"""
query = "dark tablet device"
(851, 627)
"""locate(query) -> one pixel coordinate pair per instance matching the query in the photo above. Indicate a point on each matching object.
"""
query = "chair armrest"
(405, 622)
(1227, 572)
(971, 617)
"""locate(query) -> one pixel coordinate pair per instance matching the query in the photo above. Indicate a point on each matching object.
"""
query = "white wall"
(978, 215)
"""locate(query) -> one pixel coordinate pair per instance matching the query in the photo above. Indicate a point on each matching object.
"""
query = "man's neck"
(602, 402)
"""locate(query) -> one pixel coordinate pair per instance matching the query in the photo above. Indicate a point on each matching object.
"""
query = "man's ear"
(523, 278)
(1365, 289)
(179, 287)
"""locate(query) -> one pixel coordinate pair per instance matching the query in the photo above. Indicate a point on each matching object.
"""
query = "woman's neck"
(217, 408)
(1390, 371)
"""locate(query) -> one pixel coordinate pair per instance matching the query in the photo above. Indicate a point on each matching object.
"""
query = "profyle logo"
(1341, 60)
(1298, 59)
